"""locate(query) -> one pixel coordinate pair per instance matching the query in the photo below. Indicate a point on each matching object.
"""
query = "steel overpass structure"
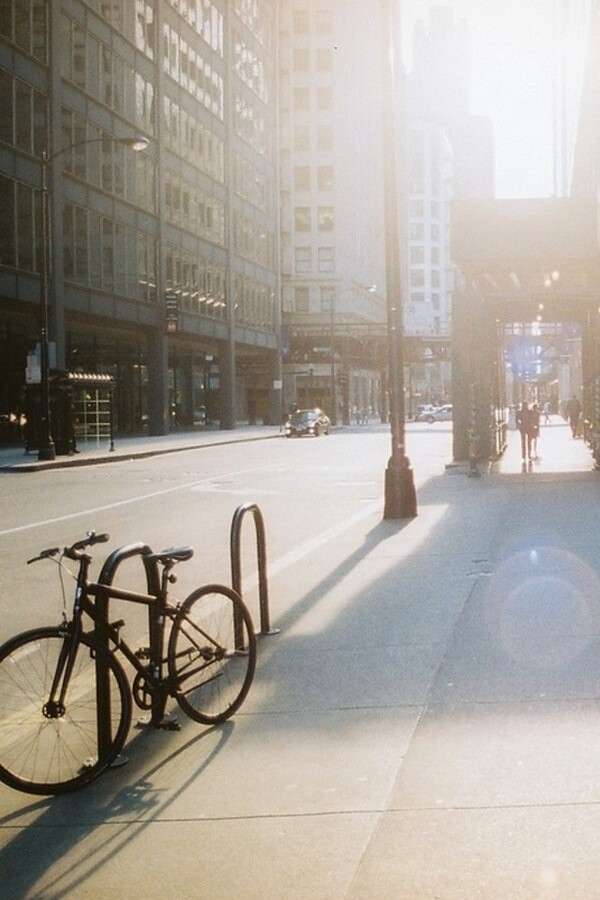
(520, 261)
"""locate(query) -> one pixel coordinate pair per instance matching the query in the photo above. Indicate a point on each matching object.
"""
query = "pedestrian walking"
(524, 424)
(547, 420)
(573, 412)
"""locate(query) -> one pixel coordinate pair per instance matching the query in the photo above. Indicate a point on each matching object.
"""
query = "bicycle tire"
(209, 677)
(52, 755)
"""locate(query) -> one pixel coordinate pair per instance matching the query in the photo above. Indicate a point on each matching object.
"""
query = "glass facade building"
(164, 267)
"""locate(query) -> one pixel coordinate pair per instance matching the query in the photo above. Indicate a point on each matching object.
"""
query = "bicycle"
(65, 698)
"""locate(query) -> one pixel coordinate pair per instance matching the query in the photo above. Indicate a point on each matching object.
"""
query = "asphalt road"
(307, 490)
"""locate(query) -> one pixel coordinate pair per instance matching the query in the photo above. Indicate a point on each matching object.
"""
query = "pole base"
(47, 451)
(400, 494)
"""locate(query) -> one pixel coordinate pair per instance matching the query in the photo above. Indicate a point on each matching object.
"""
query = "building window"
(302, 260)
(324, 137)
(302, 218)
(324, 59)
(324, 21)
(327, 299)
(325, 218)
(301, 300)
(7, 222)
(145, 29)
(417, 254)
(302, 137)
(302, 178)
(25, 25)
(326, 259)
(325, 178)
(325, 97)
(301, 59)
(301, 98)
(301, 21)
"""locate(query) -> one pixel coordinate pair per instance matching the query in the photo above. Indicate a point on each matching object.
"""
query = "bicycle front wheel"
(48, 748)
(212, 654)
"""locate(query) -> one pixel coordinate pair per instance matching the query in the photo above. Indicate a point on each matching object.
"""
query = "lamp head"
(136, 143)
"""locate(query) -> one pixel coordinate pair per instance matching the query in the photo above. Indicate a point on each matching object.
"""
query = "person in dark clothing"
(573, 411)
(525, 426)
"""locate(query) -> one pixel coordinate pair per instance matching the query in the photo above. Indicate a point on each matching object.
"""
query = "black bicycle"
(65, 699)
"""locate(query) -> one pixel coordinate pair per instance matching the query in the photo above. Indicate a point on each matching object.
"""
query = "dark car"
(307, 421)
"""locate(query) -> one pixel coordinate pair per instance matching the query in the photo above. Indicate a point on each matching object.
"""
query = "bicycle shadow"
(64, 820)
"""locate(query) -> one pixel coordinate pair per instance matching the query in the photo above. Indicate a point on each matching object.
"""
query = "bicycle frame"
(107, 633)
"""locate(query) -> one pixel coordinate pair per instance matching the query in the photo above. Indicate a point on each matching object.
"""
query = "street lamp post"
(400, 494)
(332, 403)
(46, 449)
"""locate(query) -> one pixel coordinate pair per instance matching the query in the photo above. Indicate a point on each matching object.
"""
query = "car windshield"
(301, 418)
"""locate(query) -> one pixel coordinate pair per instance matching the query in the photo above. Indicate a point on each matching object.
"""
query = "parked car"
(423, 411)
(442, 414)
(307, 421)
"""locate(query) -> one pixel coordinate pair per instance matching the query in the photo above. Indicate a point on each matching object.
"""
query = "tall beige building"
(332, 216)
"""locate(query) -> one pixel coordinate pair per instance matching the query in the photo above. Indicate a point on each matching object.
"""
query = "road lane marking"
(118, 503)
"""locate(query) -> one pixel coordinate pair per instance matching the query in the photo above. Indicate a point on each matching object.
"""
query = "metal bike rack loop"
(261, 552)
(106, 577)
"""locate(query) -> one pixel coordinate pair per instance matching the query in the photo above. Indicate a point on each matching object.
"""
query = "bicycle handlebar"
(88, 540)
(73, 552)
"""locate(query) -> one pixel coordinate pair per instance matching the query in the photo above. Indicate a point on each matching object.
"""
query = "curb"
(115, 456)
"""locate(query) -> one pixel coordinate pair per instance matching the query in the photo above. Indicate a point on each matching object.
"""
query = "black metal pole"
(46, 449)
(333, 413)
(400, 495)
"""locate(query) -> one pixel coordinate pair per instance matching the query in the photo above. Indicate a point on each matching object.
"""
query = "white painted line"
(97, 509)
(307, 547)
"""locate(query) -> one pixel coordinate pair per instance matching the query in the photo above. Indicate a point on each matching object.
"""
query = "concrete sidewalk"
(425, 725)
(17, 460)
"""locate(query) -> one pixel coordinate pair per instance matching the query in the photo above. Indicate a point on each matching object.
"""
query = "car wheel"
(430, 419)
(317, 431)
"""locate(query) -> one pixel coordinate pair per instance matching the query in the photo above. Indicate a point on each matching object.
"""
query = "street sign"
(33, 372)
(171, 312)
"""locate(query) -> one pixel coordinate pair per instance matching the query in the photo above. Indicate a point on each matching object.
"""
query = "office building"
(164, 270)
(332, 226)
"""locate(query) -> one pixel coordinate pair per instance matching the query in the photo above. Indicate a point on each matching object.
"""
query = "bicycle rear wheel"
(46, 750)
(212, 654)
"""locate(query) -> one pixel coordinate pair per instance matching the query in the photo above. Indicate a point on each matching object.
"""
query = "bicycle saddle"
(173, 554)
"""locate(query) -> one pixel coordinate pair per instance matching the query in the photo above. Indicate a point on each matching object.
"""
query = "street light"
(46, 449)
(400, 495)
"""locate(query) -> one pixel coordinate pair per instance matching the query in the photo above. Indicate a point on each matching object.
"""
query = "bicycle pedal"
(169, 723)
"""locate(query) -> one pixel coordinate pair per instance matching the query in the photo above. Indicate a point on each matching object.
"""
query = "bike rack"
(261, 552)
(106, 577)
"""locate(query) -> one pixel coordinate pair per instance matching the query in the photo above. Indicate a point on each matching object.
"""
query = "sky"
(512, 64)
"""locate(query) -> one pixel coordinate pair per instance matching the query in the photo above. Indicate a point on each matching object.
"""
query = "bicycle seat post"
(156, 633)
